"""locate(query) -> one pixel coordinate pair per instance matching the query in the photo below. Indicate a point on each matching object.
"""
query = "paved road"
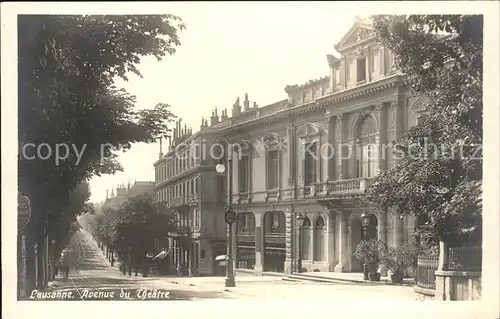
(91, 278)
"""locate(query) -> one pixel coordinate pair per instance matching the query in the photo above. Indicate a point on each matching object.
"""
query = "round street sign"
(230, 216)
(23, 212)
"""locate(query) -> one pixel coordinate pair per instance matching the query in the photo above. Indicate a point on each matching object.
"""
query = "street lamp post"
(300, 222)
(53, 260)
(365, 223)
(230, 215)
(129, 261)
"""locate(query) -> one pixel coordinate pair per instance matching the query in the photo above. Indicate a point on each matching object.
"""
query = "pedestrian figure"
(66, 271)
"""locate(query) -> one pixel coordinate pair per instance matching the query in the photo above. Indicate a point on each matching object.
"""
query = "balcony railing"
(357, 185)
(184, 200)
(465, 258)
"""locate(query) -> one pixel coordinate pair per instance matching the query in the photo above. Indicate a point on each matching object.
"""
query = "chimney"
(236, 107)
(224, 116)
(246, 103)
(255, 105)
(107, 192)
(215, 117)
(202, 126)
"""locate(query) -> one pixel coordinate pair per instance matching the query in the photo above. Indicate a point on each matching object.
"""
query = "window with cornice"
(366, 153)
(272, 169)
(337, 76)
(361, 69)
(310, 161)
(243, 174)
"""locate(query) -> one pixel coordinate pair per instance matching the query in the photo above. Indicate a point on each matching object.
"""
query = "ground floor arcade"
(267, 236)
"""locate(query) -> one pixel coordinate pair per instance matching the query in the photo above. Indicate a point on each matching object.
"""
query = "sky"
(227, 50)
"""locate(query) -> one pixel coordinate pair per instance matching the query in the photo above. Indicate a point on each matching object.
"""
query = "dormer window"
(361, 69)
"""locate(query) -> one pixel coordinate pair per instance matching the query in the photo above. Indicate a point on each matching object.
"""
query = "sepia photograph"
(257, 151)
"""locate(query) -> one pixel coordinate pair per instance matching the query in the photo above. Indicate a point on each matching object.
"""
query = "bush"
(370, 252)
(399, 258)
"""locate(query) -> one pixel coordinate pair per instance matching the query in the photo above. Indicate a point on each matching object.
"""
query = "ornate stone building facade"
(186, 180)
(313, 154)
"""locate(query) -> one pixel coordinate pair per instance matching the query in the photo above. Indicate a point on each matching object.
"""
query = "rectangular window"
(337, 76)
(361, 69)
(375, 60)
(272, 169)
(243, 173)
(310, 164)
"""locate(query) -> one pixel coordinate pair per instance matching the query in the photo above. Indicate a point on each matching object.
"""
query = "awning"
(161, 255)
(221, 257)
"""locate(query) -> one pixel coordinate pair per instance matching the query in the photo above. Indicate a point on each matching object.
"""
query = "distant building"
(186, 180)
(126, 192)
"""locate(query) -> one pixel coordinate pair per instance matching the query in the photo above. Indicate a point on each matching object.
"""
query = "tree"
(67, 101)
(441, 55)
(136, 224)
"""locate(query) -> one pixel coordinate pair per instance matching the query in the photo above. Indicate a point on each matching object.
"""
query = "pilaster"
(342, 240)
(288, 243)
(340, 135)
(330, 246)
(259, 244)
(398, 221)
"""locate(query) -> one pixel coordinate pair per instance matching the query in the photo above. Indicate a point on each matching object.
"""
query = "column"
(382, 235)
(340, 136)
(398, 221)
(189, 253)
(380, 113)
(328, 152)
(342, 240)
(259, 244)
(288, 242)
(330, 245)
(349, 243)
(311, 242)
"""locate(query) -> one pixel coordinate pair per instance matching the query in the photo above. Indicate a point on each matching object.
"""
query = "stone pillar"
(349, 243)
(342, 240)
(342, 160)
(330, 246)
(381, 115)
(190, 257)
(398, 230)
(259, 244)
(311, 242)
(382, 235)
(399, 129)
(288, 243)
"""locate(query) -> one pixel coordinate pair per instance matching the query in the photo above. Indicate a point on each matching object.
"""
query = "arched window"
(306, 240)
(319, 239)
(366, 152)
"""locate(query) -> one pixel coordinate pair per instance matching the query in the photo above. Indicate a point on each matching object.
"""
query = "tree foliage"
(439, 172)
(67, 65)
(135, 224)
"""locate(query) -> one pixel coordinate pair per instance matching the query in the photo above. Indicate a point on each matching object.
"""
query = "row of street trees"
(67, 67)
(132, 228)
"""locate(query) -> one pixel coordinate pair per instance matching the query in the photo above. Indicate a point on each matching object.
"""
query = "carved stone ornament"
(359, 51)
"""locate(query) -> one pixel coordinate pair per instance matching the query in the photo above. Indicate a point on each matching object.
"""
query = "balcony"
(183, 201)
(337, 188)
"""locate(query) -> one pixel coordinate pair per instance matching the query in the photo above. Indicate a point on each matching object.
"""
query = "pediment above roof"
(358, 33)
